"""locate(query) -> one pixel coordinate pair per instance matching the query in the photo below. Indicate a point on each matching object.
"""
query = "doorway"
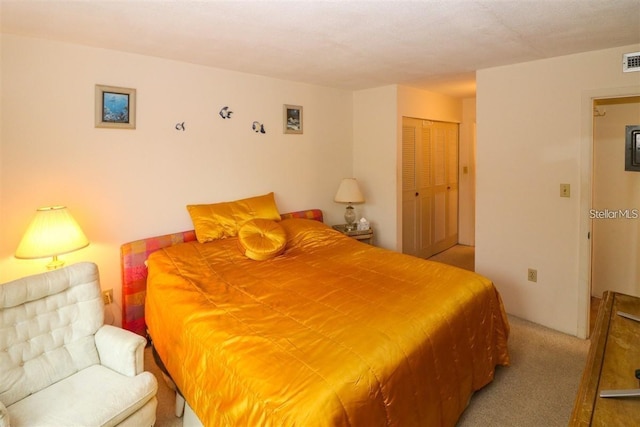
(429, 186)
(615, 210)
(589, 97)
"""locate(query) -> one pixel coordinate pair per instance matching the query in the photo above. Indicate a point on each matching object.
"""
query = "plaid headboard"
(134, 271)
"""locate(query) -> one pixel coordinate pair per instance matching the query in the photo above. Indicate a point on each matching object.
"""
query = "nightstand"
(365, 236)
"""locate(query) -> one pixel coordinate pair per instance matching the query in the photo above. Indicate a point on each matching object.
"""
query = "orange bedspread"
(331, 333)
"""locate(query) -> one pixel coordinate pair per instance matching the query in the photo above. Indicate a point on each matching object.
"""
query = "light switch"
(565, 190)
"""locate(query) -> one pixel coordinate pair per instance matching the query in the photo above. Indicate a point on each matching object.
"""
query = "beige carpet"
(459, 255)
(165, 415)
(538, 389)
(540, 386)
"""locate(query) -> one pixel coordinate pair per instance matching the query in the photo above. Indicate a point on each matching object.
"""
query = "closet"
(429, 186)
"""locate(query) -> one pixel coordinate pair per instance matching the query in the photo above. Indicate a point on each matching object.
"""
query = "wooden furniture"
(365, 236)
(613, 358)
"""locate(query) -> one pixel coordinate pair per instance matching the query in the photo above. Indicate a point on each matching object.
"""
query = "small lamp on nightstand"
(52, 232)
(349, 193)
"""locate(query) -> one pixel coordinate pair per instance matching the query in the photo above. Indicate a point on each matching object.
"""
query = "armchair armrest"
(120, 350)
(4, 416)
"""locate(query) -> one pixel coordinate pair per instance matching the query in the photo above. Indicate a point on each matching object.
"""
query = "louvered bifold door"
(445, 206)
(409, 189)
(429, 186)
(425, 168)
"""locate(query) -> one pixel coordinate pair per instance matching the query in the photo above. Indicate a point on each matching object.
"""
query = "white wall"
(423, 104)
(374, 160)
(529, 140)
(123, 185)
(467, 174)
(616, 240)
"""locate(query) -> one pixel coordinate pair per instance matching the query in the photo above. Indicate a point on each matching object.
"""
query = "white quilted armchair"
(59, 365)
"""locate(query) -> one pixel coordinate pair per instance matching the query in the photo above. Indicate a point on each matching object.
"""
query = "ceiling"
(435, 45)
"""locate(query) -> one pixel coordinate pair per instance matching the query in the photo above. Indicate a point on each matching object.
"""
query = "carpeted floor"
(540, 386)
(459, 255)
(165, 414)
(538, 389)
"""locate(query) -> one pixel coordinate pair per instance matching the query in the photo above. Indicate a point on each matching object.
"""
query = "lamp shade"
(349, 192)
(52, 232)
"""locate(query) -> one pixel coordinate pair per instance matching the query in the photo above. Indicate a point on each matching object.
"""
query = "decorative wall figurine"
(258, 127)
(180, 126)
(225, 113)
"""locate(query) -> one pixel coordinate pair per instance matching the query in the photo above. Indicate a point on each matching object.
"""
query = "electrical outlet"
(107, 296)
(532, 275)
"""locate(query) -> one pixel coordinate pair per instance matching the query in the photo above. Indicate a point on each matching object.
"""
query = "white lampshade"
(52, 232)
(349, 192)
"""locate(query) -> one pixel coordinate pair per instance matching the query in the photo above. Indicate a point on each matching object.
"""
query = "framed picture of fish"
(115, 107)
(292, 119)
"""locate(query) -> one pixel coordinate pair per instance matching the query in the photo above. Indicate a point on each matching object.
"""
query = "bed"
(327, 332)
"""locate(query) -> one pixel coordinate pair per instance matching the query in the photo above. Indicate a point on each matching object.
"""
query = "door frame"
(586, 198)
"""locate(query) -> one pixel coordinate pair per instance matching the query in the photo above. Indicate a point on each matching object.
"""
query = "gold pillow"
(220, 220)
(260, 239)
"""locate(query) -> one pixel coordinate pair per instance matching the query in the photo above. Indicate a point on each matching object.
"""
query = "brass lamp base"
(55, 263)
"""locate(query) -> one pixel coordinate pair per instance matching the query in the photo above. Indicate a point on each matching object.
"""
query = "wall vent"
(631, 62)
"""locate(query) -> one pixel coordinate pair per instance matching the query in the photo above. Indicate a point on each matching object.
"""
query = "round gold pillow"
(261, 239)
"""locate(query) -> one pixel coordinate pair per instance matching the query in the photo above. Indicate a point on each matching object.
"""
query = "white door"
(429, 186)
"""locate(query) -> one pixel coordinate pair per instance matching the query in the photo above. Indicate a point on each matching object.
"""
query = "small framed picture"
(292, 119)
(115, 107)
